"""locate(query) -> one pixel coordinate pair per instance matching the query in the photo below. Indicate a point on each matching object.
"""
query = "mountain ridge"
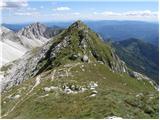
(79, 39)
(76, 75)
(44, 56)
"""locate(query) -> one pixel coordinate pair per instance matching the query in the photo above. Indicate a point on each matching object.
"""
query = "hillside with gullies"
(140, 56)
(75, 75)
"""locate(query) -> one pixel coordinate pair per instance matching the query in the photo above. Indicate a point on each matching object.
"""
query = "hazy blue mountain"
(53, 25)
(121, 30)
(139, 56)
(116, 30)
(15, 27)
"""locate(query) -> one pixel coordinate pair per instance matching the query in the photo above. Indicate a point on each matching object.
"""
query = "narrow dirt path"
(53, 75)
(67, 70)
(73, 65)
(38, 78)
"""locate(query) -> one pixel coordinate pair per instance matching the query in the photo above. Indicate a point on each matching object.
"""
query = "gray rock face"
(118, 65)
(32, 64)
(15, 44)
(33, 31)
(21, 40)
(38, 31)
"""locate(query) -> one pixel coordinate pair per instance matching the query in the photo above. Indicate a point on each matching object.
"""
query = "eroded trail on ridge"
(37, 82)
(66, 69)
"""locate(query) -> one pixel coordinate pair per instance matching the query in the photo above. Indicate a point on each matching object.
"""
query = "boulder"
(93, 95)
(16, 97)
(73, 57)
(83, 89)
(73, 87)
(113, 117)
(67, 90)
(94, 92)
(47, 89)
(85, 58)
(54, 88)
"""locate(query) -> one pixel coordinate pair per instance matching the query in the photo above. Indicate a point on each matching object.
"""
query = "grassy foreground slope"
(117, 95)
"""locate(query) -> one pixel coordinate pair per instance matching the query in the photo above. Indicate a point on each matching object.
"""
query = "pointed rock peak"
(32, 31)
(78, 24)
(37, 25)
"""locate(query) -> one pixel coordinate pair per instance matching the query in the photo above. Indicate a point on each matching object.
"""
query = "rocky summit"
(16, 44)
(76, 75)
(38, 31)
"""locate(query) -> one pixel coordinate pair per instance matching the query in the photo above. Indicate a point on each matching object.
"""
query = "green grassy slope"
(117, 96)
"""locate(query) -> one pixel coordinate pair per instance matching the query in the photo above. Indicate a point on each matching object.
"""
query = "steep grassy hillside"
(139, 56)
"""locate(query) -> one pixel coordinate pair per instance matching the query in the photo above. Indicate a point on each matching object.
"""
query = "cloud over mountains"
(13, 3)
(127, 13)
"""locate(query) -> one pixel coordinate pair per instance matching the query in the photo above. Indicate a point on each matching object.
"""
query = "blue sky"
(23, 11)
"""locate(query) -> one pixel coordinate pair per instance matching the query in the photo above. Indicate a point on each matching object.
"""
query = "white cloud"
(76, 13)
(140, 13)
(144, 13)
(66, 14)
(32, 9)
(13, 3)
(56, 14)
(62, 9)
(2, 4)
(26, 13)
(107, 13)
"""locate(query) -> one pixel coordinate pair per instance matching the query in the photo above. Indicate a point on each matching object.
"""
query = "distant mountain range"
(121, 30)
(115, 30)
(15, 44)
(140, 56)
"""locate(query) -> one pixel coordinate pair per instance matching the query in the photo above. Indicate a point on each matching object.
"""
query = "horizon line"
(61, 21)
(92, 0)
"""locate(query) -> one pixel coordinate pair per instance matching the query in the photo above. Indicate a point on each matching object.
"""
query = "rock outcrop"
(38, 31)
(138, 75)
